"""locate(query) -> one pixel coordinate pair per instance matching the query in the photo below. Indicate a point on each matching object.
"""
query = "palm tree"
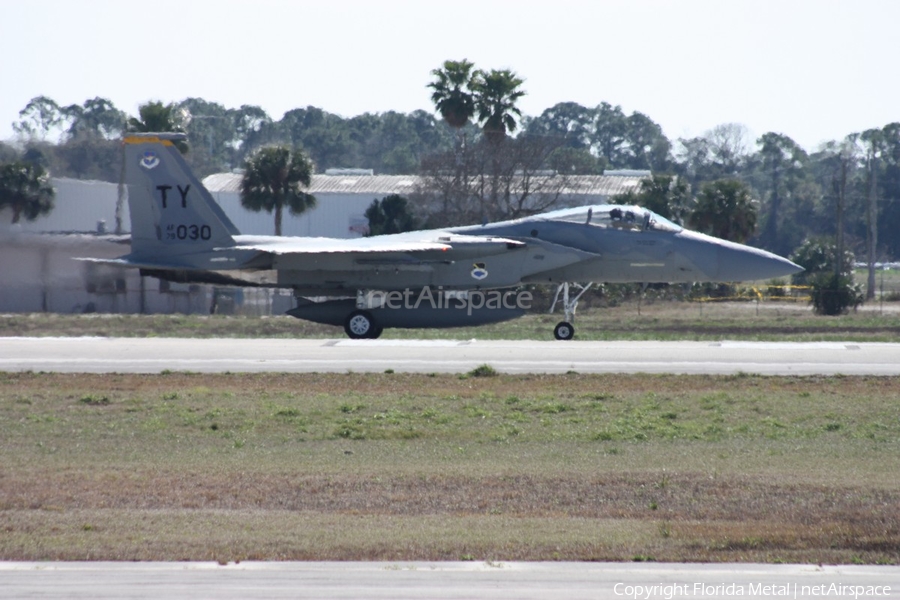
(272, 180)
(452, 94)
(454, 99)
(496, 94)
(156, 117)
(725, 209)
(24, 187)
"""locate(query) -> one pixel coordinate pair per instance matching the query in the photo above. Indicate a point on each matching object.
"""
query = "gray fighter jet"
(434, 278)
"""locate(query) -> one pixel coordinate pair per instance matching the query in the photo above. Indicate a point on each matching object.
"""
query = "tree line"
(480, 158)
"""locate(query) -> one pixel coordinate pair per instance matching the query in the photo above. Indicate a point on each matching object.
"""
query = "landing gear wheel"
(564, 331)
(360, 325)
(376, 333)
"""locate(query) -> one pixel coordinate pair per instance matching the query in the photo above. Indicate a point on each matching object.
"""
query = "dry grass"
(403, 467)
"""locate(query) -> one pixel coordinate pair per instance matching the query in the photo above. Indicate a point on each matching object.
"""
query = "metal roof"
(589, 185)
(328, 184)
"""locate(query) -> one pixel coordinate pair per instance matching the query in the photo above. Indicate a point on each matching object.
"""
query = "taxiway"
(153, 355)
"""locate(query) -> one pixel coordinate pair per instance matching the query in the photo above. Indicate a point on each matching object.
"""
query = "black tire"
(360, 325)
(376, 332)
(564, 331)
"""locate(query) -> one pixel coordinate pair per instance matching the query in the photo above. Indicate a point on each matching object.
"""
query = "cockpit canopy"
(614, 216)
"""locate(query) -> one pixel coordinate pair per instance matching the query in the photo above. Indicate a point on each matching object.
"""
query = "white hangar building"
(37, 272)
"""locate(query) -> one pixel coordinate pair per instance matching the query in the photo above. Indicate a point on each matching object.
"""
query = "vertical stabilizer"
(174, 219)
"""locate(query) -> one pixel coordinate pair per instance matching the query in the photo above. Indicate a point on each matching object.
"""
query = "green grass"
(403, 466)
(629, 321)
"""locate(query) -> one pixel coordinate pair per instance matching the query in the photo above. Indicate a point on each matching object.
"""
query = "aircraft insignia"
(479, 271)
(149, 160)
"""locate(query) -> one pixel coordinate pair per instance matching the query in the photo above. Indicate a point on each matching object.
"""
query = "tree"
(569, 121)
(666, 195)
(88, 157)
(646, 147)
(391, 214)
(873, 140)
(725, 209)
(38, 118)
(496, 94)
(96, 118)
(324, 136)
(610, 129)
(211, 135)
(392, 142)
(497, 183)
(834, 167)
(272, 180)
(729, 147)
(156, 117)
(721, 152)
(781, 162)
(575, 161)
(889, 188)
(452, 96)
(7, 153)
(24, 188)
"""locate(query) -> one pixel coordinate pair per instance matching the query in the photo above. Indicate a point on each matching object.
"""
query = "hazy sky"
(814, 70)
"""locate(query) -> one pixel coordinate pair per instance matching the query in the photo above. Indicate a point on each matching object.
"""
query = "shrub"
(832, 294)
(483, 371)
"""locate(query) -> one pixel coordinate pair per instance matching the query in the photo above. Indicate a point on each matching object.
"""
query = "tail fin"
(174, 219)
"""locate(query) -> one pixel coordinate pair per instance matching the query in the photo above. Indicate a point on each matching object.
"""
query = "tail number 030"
(188, 232)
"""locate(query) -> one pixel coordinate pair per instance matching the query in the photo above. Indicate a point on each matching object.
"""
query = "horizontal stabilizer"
(127, 262)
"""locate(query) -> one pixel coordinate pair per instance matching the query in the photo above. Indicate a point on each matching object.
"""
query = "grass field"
(400, 467)
(628, 321)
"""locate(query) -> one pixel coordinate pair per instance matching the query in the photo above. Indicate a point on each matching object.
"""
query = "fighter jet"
(433, 278)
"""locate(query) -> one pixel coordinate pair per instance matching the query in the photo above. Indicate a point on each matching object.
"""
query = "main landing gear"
(361, 325)
(564, 330)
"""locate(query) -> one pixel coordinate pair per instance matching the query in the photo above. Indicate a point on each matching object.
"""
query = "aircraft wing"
(413, 242)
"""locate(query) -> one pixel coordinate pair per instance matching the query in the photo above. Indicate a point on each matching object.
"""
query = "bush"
(834, 294)
(483, 371)
(819, 255)
(830, 293)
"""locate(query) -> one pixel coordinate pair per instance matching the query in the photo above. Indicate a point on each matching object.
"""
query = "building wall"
(335, 215)
(79, 206)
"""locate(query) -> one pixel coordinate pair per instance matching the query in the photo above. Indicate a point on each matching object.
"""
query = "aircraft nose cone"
(745, 263)
(724, 261)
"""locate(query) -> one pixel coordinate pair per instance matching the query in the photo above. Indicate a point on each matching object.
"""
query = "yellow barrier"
(787, 293)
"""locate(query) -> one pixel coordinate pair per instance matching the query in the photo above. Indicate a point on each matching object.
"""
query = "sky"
(814, 70)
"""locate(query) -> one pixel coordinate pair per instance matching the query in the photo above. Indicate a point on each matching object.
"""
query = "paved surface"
(152, 355)
(564, 581)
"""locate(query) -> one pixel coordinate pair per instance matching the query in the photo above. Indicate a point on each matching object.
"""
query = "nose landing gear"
(564, 330)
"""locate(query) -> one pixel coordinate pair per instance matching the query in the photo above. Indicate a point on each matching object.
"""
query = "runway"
(154, 355)
(450, 580)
